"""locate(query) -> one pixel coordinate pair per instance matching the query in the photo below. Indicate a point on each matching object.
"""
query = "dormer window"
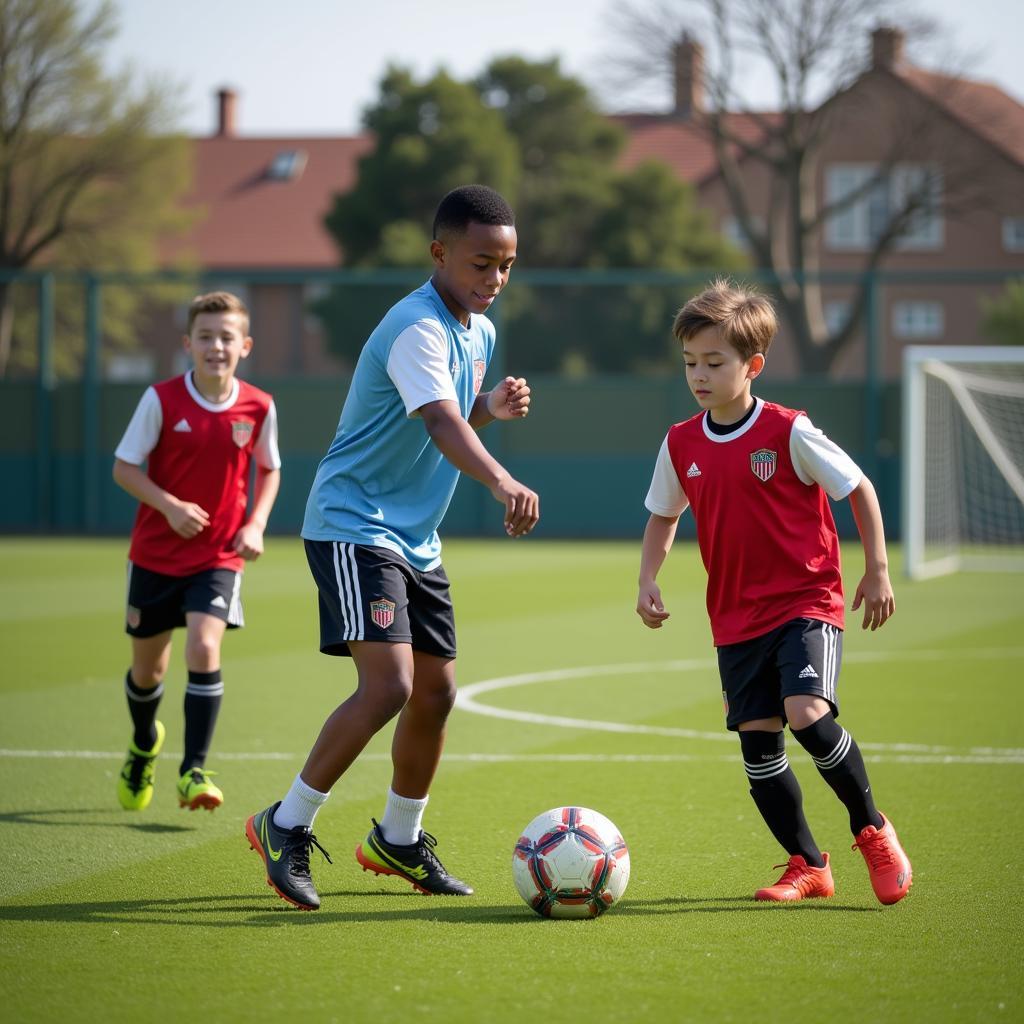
(288, 165)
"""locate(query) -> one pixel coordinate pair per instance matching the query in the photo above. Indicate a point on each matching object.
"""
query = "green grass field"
(165, 915)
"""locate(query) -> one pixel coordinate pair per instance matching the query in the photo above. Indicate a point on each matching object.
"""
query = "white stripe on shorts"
(235, 616)
(350, 599)
(830, 658)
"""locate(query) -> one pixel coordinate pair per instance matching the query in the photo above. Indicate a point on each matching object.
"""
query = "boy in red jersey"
(198, 435)
(757, 477)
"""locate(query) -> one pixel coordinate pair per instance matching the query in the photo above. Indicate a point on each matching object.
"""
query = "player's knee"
(202, 654)
(439, 700)
(389, 695)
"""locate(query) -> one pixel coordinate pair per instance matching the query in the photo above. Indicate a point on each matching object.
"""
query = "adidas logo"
(693, 470)
(182, 427)
(218, 602)
(808, 673)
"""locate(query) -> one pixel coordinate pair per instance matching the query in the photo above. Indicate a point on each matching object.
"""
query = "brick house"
(262, 203)
(968, 134)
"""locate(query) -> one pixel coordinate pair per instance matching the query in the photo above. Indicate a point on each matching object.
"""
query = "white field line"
(902, 753)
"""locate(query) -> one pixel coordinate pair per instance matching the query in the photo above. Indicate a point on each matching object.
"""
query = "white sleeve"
(143, 430)
(666, 496)
(265, 450)
(418, 366)
(820, 461)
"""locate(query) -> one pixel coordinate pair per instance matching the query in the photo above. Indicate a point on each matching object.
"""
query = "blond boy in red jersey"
(757, 477)
(197, 435)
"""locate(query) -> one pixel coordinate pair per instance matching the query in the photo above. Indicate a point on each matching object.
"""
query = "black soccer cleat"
(285, 852)
(416, 863)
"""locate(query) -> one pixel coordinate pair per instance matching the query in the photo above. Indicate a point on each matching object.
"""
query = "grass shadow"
(62, 817)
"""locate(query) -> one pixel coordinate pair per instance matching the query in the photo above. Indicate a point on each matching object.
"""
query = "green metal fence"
(588, 446)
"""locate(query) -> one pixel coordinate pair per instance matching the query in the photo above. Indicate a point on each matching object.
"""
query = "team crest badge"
(133, 617)
(478, 375)
(763, 463)
(241, 431)
(382, 612)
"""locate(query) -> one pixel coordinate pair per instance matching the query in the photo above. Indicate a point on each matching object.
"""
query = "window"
(288, 165)
(733, 233)
(836, 312)
(859, 225)
(1013, 234)
(918, 319)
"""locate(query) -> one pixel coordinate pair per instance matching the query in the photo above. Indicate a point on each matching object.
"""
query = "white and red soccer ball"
(570, 862)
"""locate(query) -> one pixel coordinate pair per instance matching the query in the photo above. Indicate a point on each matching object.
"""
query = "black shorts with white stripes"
(158, 603)
(369, 593)
(801, 656)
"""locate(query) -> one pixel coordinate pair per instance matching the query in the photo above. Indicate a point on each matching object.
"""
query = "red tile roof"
(982, 107)
(248, 219)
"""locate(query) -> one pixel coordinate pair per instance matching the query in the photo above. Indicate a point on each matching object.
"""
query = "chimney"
(688, 58)
(227, 102)
(886, 48)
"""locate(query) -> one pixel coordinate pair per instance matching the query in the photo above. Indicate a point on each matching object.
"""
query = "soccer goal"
(963, 459)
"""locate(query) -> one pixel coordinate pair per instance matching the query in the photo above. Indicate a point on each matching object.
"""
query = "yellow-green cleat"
(135, 783)
(195, 790)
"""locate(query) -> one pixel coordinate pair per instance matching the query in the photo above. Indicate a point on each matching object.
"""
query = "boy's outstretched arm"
(458, 443)
(509, 400)
(874, 589)
(248, 541)
(658, 537)
(185, 518)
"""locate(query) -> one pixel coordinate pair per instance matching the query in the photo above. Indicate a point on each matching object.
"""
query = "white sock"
(402, 816)
(299, 806)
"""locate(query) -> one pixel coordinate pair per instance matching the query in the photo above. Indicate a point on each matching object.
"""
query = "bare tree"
(89, 176)
(769, 161)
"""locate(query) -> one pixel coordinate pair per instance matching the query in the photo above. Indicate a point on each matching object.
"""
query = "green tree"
(89, 175)
(1003, 322)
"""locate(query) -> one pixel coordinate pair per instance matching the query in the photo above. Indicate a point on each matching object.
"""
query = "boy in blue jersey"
(407, 429)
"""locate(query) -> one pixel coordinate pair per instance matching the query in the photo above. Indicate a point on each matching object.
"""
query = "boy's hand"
(187, 519)
(522, 506)
(510, 399)
(649, 606)
(875, 591)
(248, 542)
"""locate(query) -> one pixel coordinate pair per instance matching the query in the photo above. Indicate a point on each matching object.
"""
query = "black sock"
(838, 759)
(203, 695)
(777, 795)
(142, 706)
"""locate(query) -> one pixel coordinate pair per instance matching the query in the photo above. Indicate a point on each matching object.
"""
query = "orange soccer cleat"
(888, 866)
(798, 882)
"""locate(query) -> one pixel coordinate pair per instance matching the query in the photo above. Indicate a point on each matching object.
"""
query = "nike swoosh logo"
(419, 871)
(275, 855)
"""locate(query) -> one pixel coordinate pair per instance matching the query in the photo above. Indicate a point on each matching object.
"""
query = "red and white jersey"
(199, 451)
(764, 526)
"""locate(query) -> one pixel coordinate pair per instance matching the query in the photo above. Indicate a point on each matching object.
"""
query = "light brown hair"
(744, 319)
(218, 302)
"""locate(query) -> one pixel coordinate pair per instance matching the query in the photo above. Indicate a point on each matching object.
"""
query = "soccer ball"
(570, 862)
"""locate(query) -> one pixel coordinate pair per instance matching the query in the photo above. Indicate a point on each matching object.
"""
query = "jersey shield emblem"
(763, 463)
(478, 375)
(241, 431)
(382, 612)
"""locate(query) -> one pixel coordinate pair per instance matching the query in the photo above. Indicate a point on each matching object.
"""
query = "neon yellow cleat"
(195, 790)
(135, 783)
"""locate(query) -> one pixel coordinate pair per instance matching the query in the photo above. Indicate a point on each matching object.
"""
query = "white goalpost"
(963, 459)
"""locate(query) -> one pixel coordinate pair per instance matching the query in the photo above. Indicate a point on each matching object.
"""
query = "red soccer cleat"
(888, 866)
(798, 882)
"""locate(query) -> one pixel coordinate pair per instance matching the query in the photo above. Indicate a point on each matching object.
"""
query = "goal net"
(963, 459)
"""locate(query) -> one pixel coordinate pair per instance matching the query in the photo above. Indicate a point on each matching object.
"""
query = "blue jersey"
(384, 482)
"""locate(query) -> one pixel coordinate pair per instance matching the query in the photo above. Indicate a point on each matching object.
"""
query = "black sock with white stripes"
(838, 758)
(777, 795)
(142, 706)
(203, 695)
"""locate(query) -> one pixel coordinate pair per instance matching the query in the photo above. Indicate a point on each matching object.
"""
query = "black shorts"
(369, 593)
(157, 603)
(801, 656)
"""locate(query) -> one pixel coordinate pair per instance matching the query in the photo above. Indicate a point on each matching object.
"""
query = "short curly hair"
(744, 318)
(468, 203)
(218, 302)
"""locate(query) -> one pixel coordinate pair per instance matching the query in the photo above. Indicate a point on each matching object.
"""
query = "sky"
(310, 67)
